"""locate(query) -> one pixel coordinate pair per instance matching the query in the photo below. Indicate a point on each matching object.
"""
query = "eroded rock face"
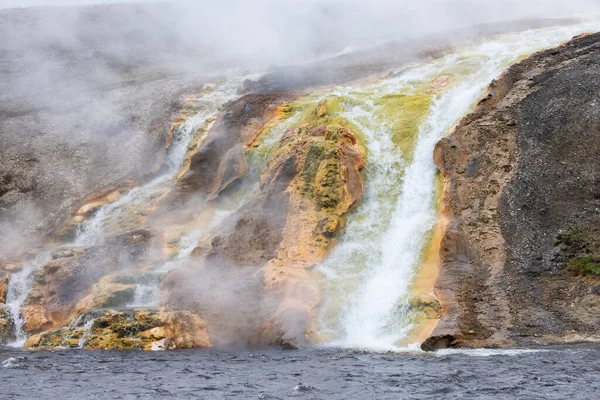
(522, 200)
(72, 282)
(328, 184)
(250, 281)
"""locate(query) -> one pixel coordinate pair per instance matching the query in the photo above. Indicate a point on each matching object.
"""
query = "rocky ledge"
(138, 329)
(520, 261)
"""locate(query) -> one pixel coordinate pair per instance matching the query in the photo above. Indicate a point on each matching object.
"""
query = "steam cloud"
(81, 86)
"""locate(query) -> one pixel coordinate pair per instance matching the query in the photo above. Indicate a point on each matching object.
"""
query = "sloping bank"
(520, 258)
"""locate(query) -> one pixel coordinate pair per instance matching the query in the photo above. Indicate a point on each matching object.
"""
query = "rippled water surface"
(271, 373)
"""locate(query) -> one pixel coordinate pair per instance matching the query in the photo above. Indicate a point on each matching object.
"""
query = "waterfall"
(368, 274)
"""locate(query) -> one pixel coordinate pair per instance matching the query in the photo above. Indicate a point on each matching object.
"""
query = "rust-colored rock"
(4, 277)
(220, 159)
(184, 329)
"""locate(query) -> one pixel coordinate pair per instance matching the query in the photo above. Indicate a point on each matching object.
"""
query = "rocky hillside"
(147, 204)
(521, 252)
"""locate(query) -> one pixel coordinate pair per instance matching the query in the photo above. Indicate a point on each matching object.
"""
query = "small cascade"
(86, 330)
(18, 290)
(147, 292)
(125, 212)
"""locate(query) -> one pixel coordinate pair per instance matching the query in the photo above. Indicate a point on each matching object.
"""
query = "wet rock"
(72, 282)
(434, 343)
(117, 330)
(327, 183)
(288, 344)
(268, 247)
(197, 252)
(108, 293)
(425, 308)
(440, 83)
(7, 326)
(220, 159)
(185, 329)
(4, 277)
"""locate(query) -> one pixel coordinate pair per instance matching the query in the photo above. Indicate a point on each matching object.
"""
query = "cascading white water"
(87, 328)
(368, 275)
(147, 293)
(107, 219)
(19, 286)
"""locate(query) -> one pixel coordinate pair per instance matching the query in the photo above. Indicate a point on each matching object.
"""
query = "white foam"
(486, 352)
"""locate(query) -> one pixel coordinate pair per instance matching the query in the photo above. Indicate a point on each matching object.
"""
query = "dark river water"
(270, 373)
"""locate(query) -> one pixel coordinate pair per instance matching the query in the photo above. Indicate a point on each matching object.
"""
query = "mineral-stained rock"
(220, 159)
(522, 177)
(7, 326)
(61, 285)
(184, 329)
(269, 246)
(116, 330)
(329, 182)
(4, 277)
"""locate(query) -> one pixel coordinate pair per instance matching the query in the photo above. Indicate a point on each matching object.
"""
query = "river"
(327, 373)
